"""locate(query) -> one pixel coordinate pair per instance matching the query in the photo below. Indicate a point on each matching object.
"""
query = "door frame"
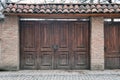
(89, 36)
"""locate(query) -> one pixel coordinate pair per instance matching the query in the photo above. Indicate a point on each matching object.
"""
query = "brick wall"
(9, 56)
(97, 43)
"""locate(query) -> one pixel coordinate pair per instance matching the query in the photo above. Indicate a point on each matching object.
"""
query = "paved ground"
(60, 75)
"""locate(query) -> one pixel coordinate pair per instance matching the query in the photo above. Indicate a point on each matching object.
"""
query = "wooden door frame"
(89, 38)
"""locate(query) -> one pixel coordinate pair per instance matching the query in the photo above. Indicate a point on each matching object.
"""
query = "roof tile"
(71, 9)
(98, 6)
(26, 7)
(88, 6)
(32, 7)
(48, 10)
(111, 10)
(19, 10)
(115, 6)
(106, 10)
(118, 10)
(62, 8)
(13, 8)
(76, 7)
(30, 11)
(54, 9)
(100, 10)
(42, 11)
(88, 11)
(104, 6)
(92, 6)
(10, 5)
(110, 7)
(82, 11)
(59, 8)
(36, 9)
(94, 10)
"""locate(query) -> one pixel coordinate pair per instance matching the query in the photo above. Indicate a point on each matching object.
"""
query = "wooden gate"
(112, 45)
(54, 45)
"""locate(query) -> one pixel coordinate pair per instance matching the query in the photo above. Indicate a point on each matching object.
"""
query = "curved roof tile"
(62, 8)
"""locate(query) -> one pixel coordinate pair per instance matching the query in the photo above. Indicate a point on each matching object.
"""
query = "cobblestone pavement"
(60, 75)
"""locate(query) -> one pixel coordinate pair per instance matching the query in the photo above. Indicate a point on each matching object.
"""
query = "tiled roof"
(62, 8)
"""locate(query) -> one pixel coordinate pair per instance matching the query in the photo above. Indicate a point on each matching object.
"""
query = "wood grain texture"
(54, 45)
(112, 45)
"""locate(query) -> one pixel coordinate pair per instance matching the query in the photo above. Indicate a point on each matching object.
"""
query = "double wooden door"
(112, 45)
(54, 45)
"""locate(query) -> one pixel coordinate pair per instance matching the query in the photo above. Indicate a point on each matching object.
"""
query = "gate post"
(97, 43)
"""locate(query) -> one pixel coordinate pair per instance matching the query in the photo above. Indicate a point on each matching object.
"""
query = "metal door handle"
(55, 47)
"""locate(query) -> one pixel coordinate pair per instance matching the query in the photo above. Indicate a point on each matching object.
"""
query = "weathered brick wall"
(9, 57)
(97, 43)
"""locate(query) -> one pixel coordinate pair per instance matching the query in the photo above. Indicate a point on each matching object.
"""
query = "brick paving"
(60, 75)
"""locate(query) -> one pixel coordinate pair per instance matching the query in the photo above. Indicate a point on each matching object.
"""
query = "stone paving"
(60, 75)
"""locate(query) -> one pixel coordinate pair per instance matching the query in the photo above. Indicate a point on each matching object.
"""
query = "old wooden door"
(112, 45)
(56, 44)
(28, 45)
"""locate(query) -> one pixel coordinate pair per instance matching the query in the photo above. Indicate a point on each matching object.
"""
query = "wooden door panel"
(29, 38)
(54, 45)
(79, 34)
(28, 45)
(30, 60)
(112, 62)
(112, 45)
(62, 40)
(46, 60)
(63, 35)
(112, 39)
(63, 59)
(46, 54)
(80, 45)
(80, 60)
(47, 37)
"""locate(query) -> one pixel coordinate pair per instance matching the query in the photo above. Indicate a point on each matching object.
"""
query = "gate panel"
(54, 45)
(80, 45)
(45, 47)
(112, 45)
(28, 45)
